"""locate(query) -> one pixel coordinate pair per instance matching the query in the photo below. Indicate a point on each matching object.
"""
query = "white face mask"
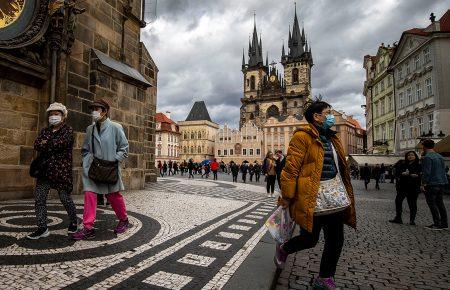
(54, 120)
(96, 115)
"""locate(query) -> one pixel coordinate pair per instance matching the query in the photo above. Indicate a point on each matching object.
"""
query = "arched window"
(185, 150)
(295, 104)
(199, 135)
(252, 116)
(199, 149)
(192, 135)
(192, 149)
(252, 82)
(273, 111)
(248, 82)
(185, 136)
(295, 76)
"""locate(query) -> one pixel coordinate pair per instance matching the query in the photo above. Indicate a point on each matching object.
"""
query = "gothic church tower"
(266, 93)
(298, 62)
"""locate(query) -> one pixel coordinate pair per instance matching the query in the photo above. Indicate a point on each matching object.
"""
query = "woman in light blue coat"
(105, 140)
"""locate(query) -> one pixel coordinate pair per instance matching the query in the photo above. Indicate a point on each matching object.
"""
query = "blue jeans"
(435, 201)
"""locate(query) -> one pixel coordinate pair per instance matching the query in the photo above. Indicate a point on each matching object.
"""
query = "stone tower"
(266, 93)
(298, 62)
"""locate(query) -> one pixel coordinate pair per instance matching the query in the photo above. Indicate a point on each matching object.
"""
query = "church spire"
(255, 48)
(297, 40)
(243, 58)
(267, 59)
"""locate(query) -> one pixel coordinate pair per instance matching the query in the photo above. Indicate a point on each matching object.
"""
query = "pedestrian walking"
(105, 143)
(170, 167)
(257, 170)
(251, 171)
(270, 173)
(164, 168)
(175, 168)
(382, 173)
(408, 187)
(280, 162)
(234, 170)
(434, 181)
(191, 168)
(244, 171)
(315, 153)
(182, 168)
(160, 168)
(365, 174)
(376, 172)
(214, 168)
(53, 169)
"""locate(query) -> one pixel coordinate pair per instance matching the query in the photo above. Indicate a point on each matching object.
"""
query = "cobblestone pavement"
(188, 234)
(380, 255)
(194, 234)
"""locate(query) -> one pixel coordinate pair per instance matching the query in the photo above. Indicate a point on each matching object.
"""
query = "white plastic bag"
(280, 225)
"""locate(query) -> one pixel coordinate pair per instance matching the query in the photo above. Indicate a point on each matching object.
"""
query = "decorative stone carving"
(34, 16)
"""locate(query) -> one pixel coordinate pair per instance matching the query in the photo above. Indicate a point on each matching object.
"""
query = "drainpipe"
(395, 112)
(55, 46)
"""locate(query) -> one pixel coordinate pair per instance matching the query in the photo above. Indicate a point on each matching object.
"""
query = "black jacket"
(279, 165)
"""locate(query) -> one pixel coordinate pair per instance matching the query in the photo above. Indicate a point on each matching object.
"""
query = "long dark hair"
(415, 154)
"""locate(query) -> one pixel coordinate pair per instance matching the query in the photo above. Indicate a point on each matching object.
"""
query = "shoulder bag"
(103, 171)
(332, 196)
(39, 166)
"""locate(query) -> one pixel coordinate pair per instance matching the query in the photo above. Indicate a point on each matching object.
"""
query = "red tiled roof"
(162, 118)
(354, 122)
(416, 31)
(445, 21)
(166, 123)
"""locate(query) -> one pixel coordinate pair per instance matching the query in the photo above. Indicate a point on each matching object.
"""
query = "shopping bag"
(280, 225)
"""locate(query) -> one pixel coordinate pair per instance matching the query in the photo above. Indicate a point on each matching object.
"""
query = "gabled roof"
(199, 112)
(354, 122)
(444, 26)
(162, 118)
(166, 123)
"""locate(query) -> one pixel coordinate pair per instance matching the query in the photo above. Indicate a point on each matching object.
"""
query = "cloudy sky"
(197, 45)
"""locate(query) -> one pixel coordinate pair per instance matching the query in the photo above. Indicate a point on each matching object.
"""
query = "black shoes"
(40, 233)
(73, 228)
(412, 223)
(396, 221)
(434, 227)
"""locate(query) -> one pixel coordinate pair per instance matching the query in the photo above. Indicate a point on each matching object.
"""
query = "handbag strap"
(92, 140)
(336, 158)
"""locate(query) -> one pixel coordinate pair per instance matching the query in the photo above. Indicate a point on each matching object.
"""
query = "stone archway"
(273, 111)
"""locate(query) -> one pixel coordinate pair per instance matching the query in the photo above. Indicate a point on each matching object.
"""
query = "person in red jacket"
(215, 168)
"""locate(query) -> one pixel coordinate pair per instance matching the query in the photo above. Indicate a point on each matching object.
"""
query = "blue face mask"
(329, 121)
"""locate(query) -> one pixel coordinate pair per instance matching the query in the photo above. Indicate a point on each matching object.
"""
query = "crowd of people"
(271, 168)
(315, 158)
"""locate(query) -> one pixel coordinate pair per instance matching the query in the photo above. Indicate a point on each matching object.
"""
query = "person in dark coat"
(280, 162)
(376, 172)
(257, 170)
(408, 187)
(170, 166)
(365, 174)
(382, 173)
(234, 171)
(55, 142)
(244, 171)
(190, 167)
(251, 171)
(160, 167)
(164, 168)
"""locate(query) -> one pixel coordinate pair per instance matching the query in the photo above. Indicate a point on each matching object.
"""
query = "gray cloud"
(197, 46)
